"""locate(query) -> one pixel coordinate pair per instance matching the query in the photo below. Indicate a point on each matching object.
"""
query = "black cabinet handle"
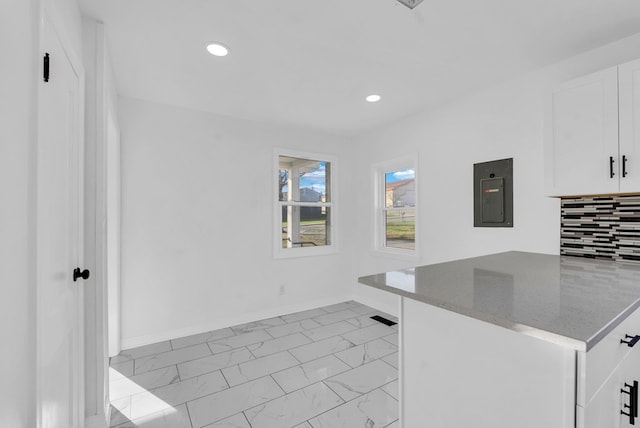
(80, 274)
(611, 161)
(632, 391)
(630, 343)
(624, 166)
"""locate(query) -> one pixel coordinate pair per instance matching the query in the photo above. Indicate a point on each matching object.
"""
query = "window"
(396, 207)
(305, 209)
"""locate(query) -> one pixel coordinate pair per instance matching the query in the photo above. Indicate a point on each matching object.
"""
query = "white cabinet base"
(460, 372)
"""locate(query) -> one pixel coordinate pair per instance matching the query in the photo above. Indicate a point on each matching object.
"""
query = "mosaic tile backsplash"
(603, 227)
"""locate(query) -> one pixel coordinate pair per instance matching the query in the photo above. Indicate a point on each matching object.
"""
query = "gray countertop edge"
(558, 339)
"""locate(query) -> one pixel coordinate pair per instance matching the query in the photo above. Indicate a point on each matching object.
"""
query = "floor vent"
(383, 320)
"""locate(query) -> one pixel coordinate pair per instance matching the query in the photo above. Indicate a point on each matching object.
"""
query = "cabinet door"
(582, 136)
(629, 83)
(605, 409)
(630, 372)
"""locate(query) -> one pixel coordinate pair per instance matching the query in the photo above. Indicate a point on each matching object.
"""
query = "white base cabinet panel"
(460, 372)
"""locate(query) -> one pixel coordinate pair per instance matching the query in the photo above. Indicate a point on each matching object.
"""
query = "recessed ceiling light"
(217, 49)
(373, 98)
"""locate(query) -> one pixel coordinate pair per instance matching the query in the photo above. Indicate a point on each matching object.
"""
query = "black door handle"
(632, 342)
(80, 274)
(611, 161)
(632, 407)
(624, 166)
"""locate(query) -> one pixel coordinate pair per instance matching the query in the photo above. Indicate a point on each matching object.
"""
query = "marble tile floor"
(330, 367)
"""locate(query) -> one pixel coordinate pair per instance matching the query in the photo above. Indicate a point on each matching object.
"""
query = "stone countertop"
(570, 301)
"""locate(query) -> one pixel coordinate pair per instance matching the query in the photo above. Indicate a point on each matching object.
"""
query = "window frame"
(332, 247)
(379, 222)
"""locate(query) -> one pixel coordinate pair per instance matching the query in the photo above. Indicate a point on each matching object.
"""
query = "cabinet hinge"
(45, 71)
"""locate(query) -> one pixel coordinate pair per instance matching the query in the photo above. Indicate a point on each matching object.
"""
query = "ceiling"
(310, 63)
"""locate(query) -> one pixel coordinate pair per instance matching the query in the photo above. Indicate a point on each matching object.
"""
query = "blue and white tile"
(334, 317)
(141, 351)
(392, 388)
(294, 327)
(303, 315)
(375, 409)
(273, 346)
(174, 417)
(214, 362)
(392, 338)
(368, 334)
(120, 370)
(259, 367)
(361, 380)
(235, 421)
(330, 330)
(257, 325)
(392, 359)
(295, 408)
(321, 348)
(165, 359)
(303, 375)
(221, 405)
(367, 352)
(143, 382)
(197, 339)
(233, 342)
(175, 394)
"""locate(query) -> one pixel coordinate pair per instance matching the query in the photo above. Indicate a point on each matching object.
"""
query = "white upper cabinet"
(629, 96)
(592, 142)
(581, 145)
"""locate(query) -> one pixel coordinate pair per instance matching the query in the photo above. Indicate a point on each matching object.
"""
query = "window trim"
(285, 253)
(379, 199)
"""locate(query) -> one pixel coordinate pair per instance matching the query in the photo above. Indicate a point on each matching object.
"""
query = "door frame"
(47, 18)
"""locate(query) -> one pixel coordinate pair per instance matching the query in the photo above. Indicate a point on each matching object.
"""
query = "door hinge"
(46, 67)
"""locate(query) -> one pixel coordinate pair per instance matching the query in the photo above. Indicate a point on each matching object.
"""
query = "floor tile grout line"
(389, 364)
(256, 358)
(285, 394)
(236, 334)
(299, 321)
(225, 379)
(345, 402)
(221, 368)
(189, 414)
(247, 419)
(380, 388)
(181, 362)
(315, 359)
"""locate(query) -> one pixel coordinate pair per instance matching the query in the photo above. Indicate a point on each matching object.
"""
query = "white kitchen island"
(518, 340)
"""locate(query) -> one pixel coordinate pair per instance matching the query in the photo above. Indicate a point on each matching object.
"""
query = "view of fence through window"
(305, 200)
(400, 209)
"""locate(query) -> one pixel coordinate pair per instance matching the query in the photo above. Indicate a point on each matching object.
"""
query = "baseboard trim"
(133, 342)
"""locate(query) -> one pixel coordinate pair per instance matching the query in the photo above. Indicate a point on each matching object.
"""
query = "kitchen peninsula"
(518, 340)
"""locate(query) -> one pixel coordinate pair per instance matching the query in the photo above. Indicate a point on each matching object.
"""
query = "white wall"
(197, 224)
(19, 44)
(501, 122)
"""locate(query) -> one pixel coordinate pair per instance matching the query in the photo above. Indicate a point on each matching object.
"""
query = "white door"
(581, 148)
(59, 249)
(629, 81)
